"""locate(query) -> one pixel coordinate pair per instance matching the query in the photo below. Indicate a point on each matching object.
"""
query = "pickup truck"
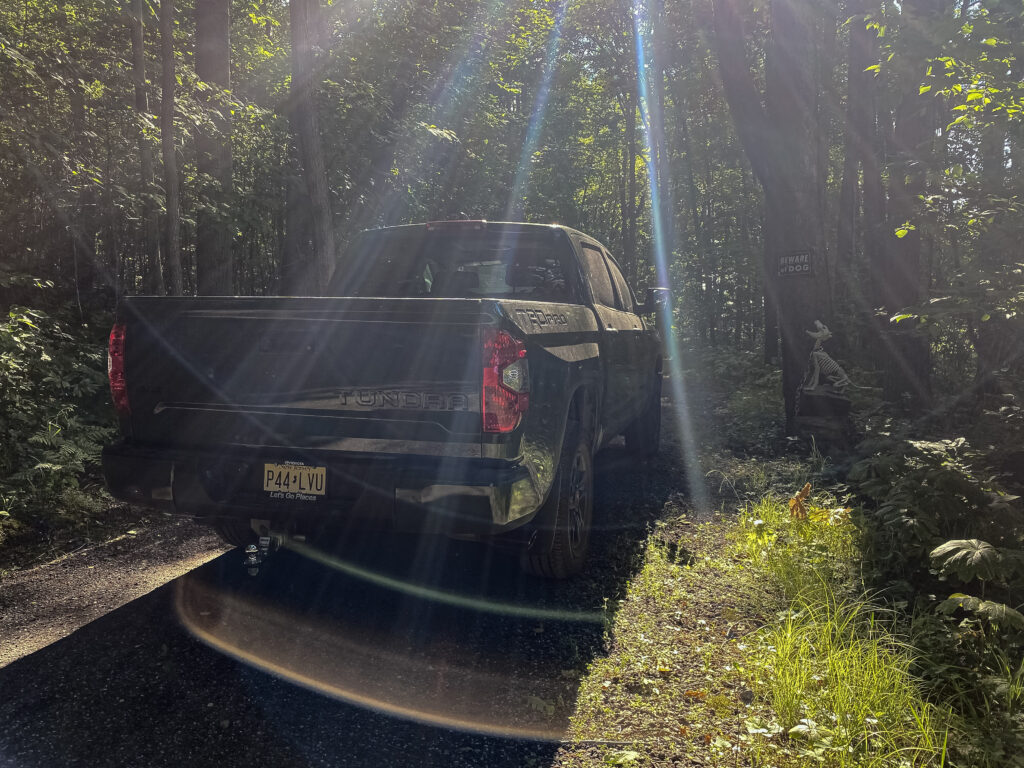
(455, 377)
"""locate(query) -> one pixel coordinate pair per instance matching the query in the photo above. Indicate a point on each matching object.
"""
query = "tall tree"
(214, 260)
(172, 222)
(153, 275)
(900, 272)
(778, 137)
(304, 16)
(858, 155)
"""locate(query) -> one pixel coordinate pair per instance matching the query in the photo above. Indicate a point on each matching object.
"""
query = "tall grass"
(833, 664)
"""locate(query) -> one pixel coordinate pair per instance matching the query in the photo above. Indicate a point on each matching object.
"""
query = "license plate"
(294, 481)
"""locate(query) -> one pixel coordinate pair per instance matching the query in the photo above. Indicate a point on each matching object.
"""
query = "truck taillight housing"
(115, 370)
(505, 395)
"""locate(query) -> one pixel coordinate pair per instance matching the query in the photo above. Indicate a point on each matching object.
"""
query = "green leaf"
(986, 317)
(996, 613)
(625, 757)
(969, 559)
(923, 89)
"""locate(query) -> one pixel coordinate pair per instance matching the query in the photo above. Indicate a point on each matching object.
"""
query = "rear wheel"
(643, 436)
(234, 531)
(559, 546)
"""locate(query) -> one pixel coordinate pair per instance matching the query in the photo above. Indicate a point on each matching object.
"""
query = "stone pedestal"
(825, 414)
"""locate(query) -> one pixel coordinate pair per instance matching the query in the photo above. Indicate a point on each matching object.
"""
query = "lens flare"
(653, 130)
(437, 682)
(454, 599)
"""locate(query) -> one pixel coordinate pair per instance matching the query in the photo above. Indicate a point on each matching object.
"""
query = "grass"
(742, 641)
(744, 638)
(673, 685)
(834, 665)
(801, 558)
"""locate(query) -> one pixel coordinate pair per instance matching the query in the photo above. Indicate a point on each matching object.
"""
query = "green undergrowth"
(876, 622)
(743, 640)
(673, 688)
(55, 418)
(944, 544)
(835, 665)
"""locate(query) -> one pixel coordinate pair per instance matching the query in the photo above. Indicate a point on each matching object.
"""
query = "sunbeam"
(652, 125)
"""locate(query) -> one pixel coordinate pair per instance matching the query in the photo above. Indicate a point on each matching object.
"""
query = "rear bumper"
(453, 496)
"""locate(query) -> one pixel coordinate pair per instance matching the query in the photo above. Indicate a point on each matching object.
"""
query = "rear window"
(472, 264)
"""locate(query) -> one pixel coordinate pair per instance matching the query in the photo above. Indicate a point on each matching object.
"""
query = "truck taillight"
(115, 370)
(506, 384)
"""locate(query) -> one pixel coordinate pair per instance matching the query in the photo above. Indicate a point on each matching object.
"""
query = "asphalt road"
(393, 651)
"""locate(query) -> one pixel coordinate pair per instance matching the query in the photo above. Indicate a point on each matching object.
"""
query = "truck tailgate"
(351, 374)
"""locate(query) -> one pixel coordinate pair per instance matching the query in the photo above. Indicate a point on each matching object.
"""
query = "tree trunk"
(305, 126)
(153, 281)
(664, 203)
(172, 233)
(779, 141)
(214, 260)
(629, 212)
(700, 240)
(858, 155)
(298, 253)
(84, 232)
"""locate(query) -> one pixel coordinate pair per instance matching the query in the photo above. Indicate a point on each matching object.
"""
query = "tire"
(643, 436)
(234, 531)
(561, 538)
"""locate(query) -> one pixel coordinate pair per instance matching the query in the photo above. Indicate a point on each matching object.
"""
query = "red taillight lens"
(115, 370)
(506, 383)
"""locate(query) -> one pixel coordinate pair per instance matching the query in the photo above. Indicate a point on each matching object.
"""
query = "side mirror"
(656, 299)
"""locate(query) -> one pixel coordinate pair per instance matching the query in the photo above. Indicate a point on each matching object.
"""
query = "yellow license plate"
(294, 481)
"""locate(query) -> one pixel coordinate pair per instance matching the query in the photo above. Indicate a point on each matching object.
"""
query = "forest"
(235, 147)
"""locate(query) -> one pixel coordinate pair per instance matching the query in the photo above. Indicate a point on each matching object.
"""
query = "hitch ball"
(252, 560)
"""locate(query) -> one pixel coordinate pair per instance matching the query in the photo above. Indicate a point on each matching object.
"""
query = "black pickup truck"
(455, 377)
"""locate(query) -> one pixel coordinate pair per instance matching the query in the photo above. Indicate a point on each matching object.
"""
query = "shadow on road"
(390, 652)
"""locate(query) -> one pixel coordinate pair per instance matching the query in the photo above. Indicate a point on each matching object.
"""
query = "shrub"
(946, 541)
(54, 414)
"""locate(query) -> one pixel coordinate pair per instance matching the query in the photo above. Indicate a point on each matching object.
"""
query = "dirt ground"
(41, 605)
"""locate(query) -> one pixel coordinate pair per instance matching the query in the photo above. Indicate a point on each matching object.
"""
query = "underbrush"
(55, 418)
(835, 665)
(744, 393)
(944, 542)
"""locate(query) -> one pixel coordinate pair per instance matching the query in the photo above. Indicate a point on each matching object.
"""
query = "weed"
(833, 665)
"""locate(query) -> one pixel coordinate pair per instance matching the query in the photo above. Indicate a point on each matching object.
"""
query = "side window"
(597, 275)
(621, 287)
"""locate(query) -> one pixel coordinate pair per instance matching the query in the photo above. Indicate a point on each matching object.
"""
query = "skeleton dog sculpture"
(821, 362)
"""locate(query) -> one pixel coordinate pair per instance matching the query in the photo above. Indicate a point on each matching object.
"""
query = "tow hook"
(255, 555)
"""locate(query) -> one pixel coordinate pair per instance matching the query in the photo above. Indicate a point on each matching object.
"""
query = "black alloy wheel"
(558, 548)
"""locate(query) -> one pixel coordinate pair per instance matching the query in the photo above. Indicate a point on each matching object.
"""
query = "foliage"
(938, 518)
(54, 413)
(803, 555)
(834, 665)
(926, 492)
